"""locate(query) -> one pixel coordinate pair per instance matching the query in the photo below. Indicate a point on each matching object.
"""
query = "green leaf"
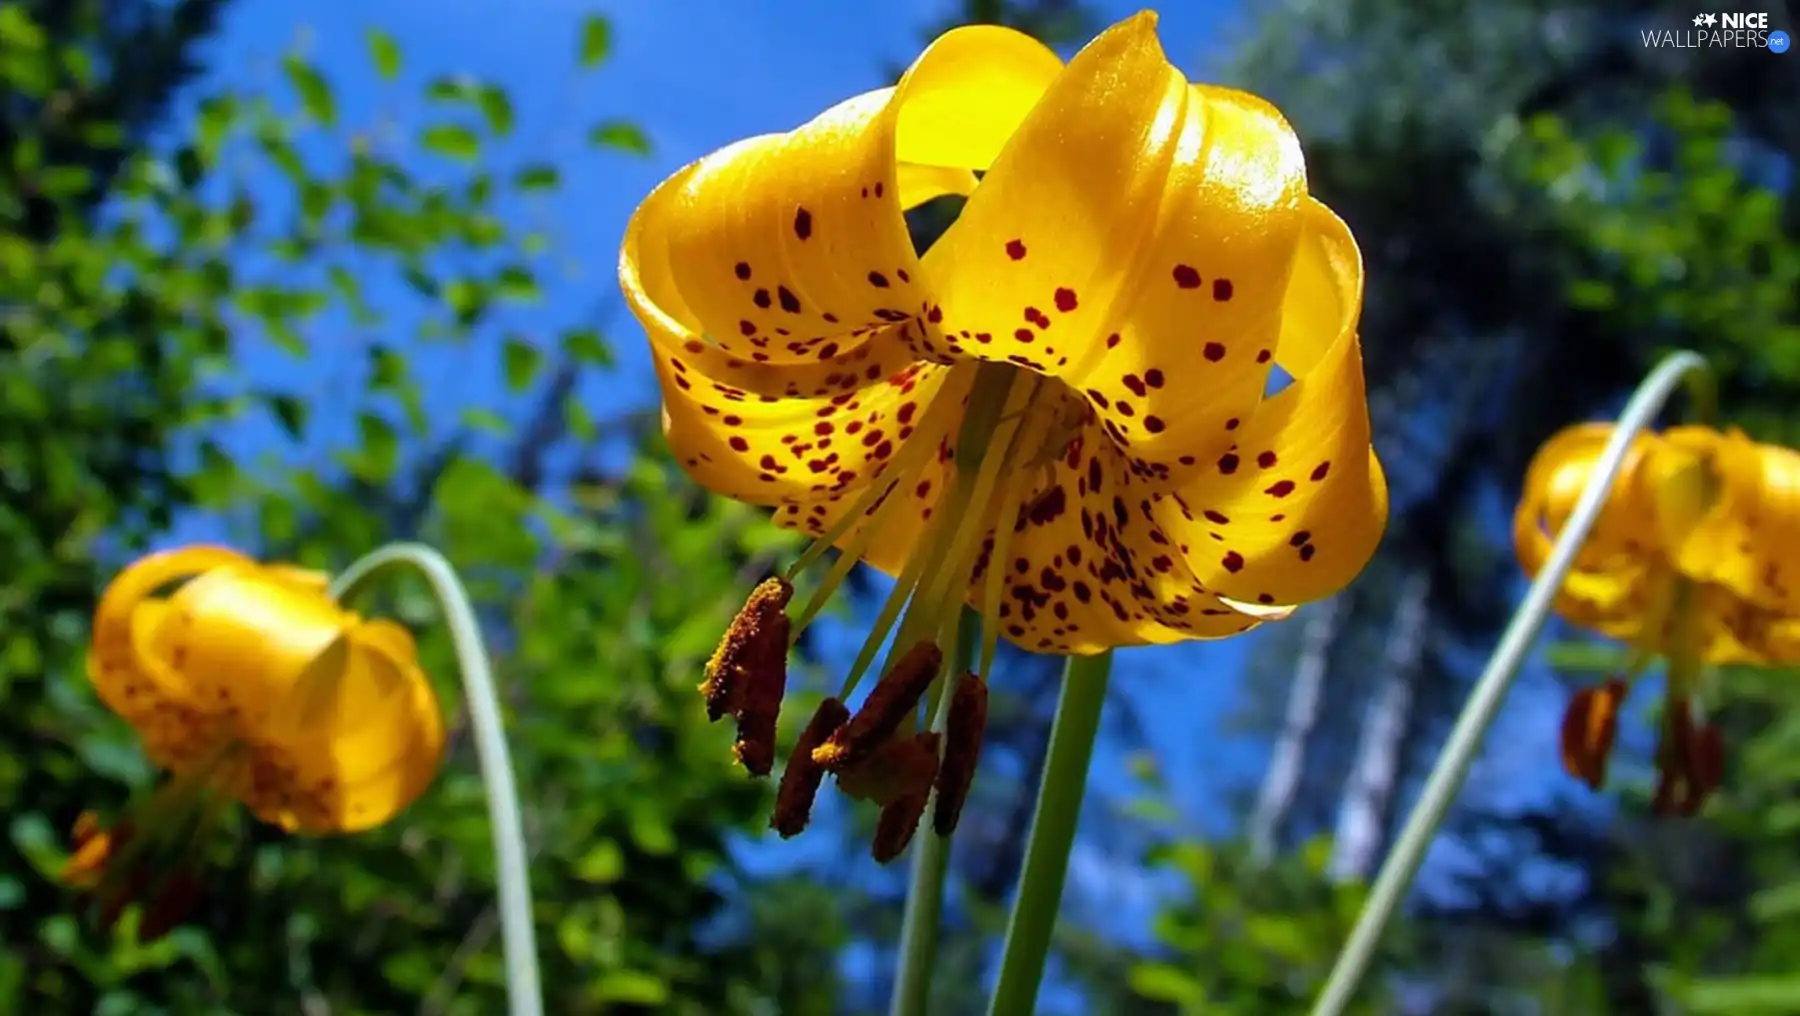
(1164, 982)
(619, 134)
(497, 108)
(1744, 996)
(522, 362)
(315, 94)
(596, 40)
(290, 412)
(537, 177)
(1776, 902)
(384, 52)
(631, 987)
(603, 863)
(380, 446)
(452, 140)
(486, 421)
(516, 283)
(18, 31)
(586, 346)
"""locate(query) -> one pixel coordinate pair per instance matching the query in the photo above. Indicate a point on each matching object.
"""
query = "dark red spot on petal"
(1221, 290)
(1300, 539)
(1281, 488)
(747, 327)
(1214, 351)
(1228, 463)
(789, 302)
(1015, 249)
(1065, 300)
(1233, 561)
(803, 229)
(743, 270)
(1112, 340)
(1153, 378)
(1266, 459)
(1307, 552)
(1186, 277)
(738, 444)
(1320, 470)
(1263, 357)
(1153, 424)
(762, 299)
(878, 280)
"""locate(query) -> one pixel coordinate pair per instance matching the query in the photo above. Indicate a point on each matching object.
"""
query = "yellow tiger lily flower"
(248, 683)
(1692, 560)
(1059, 414)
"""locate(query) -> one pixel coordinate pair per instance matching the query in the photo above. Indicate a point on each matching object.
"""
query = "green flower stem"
(931, 862)
(1052, 834)
(518, 936)
(1446, 778)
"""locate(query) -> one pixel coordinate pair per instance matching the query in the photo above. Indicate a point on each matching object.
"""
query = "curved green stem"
(1446, 778)
(518, 936)
(1040, 892)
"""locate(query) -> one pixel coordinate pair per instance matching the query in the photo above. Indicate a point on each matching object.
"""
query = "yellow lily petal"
(920, 183)
(780, 267)
(384, 749)
(1750, 541)
(242, 638)
(968, 92)
(1557, 475)
(1135, 239)
(1090, 568)
(1294, 509)
(112, 660)
(1740, 632)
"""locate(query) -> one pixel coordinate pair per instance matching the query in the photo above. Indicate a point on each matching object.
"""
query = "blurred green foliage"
(128, 304)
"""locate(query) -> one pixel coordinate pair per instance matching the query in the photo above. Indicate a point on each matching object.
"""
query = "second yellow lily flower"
(1695, 559)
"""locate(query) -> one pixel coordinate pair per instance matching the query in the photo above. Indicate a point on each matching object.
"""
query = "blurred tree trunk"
(1371, 791)
(1276, 797)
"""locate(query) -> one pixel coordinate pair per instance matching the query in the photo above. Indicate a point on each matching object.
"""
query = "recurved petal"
(779, 246)
(804, 450)
(1136, 239)
(125, 687)
(1293, 509)
(243, 638)
(384, 746)
(1749, 543)
(1554, 482)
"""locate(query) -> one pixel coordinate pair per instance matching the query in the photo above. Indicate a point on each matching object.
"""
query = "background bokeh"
(311, 277)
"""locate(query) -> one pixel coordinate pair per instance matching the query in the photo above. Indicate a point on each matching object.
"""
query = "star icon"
(1699, 19)
(1711, 19)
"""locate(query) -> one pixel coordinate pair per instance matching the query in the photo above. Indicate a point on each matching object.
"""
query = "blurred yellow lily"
(1057, 413)
(1690, 561)
(249, 683)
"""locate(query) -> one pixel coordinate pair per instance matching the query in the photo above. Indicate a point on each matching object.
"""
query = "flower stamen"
(747, 675)
(963, 730)
(1689, 761)
(890, 702)
(801, 779)
(1589, 727)
(747, 643)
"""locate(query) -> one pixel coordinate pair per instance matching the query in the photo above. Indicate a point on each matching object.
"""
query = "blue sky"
(695, 74)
